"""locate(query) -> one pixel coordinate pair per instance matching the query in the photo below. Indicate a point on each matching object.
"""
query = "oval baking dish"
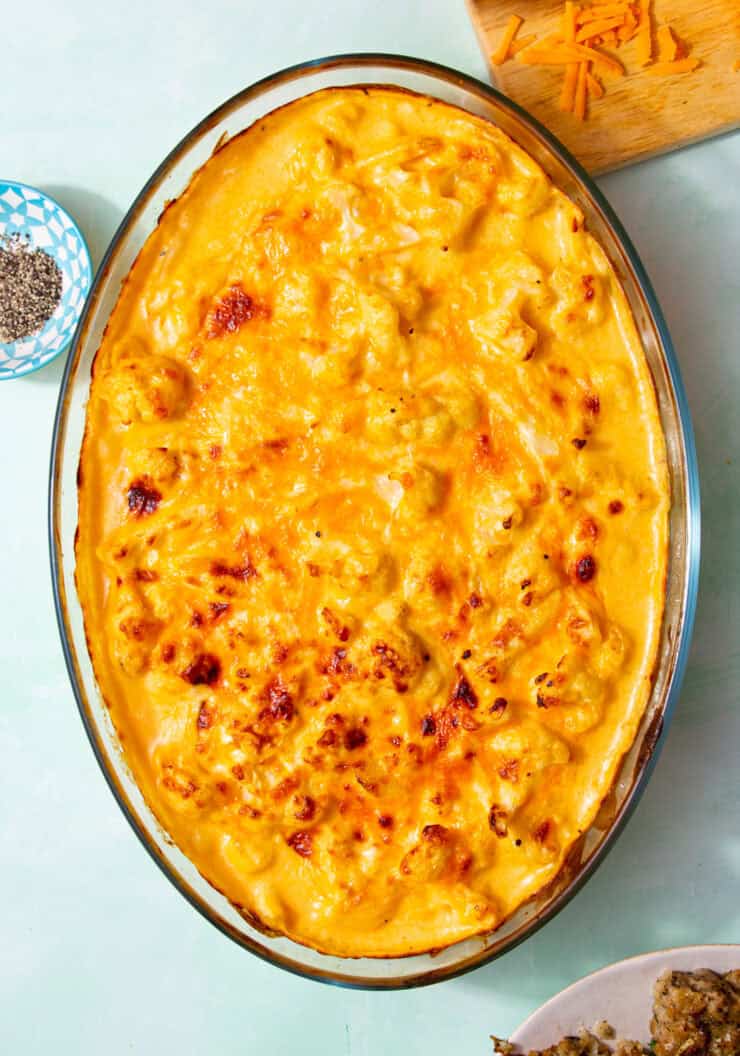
(167, 183)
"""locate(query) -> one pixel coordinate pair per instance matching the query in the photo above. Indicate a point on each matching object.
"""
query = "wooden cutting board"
(639, 116)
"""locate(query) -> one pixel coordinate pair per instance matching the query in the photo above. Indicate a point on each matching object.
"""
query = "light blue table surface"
(98, 954)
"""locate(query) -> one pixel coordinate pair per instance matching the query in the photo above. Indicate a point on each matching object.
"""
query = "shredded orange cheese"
(501, 53)
(570, 81)
(660, 69)
(561, 54)
(629, 28)
(568, 94)
(595, 87)
(644, 35)
(667, 44)
(584, 31)
(523, 42)
(590, 18)
(592, 29)
(599, 11)
(580, 105)
(682, 50)
(569, 21)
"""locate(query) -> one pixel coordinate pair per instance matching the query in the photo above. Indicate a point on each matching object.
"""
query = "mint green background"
(98, 954)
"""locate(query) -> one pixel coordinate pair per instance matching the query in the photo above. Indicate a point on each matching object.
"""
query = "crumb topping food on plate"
(694, 1014)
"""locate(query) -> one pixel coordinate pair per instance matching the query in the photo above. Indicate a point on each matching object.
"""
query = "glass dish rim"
(451, 76)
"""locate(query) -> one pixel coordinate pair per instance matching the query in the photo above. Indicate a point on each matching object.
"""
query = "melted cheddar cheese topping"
(373, 522)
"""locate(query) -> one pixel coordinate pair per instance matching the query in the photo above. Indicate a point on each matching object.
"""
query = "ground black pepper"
(30, 288)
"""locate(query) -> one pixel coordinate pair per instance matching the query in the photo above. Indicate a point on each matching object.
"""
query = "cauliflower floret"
(364, 320)
(387, 651)
(371, 570)
(497, 513)
(430, 579)
(518, 753)
(580, 300)
(397, 417)
(136, 631)
(300, 297)
(433, 855)
(526, 190)
(576, 696)
(148, 388)
(396, 282)
(459, 399)
(157, 464)
(337, 364)
(315, 155)
(250, 855)
(424, 490)
(611, 654)
(503, 332)
(500, 328)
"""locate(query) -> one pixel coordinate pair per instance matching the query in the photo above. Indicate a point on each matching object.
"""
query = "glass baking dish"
(168, 182)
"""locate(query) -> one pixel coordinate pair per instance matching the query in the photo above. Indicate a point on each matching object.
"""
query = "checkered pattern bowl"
(31, 213)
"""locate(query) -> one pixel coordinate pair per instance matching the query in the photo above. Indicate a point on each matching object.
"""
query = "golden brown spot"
(244, 571)
(354, 738)
(284, 789)
(145, 575)
(435, 833)
(279, 701)
(204, 670)
(230, 312)
(327, 739)
(439, 580)
(509, 771)
(542, 831)
(489, 670)
(143, 498)
(587, 528)
(340, 630)
(585, 568)
(463, 692)
(205, 717)
(301, 842)
(304, 808)
(497, 820)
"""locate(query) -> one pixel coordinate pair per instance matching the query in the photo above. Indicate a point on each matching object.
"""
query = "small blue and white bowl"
(33, 214)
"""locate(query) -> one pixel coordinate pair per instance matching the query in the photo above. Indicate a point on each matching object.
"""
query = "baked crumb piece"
(696, 1014)
(502, 1047)
(584, 1044)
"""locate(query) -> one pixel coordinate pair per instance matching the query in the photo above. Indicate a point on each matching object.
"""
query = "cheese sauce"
(373, 522)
